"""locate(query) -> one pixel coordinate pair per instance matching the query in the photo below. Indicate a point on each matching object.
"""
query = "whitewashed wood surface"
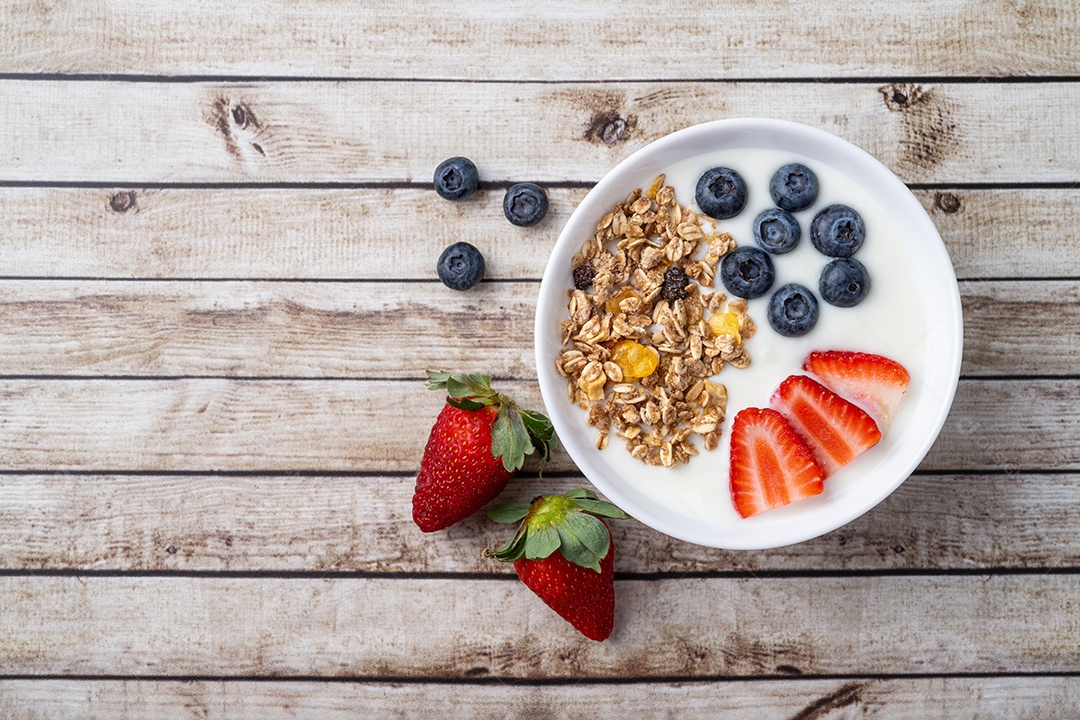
(218, 238)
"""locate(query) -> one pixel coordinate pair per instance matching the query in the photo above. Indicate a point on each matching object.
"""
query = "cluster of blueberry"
(461, 265)
(836, 231)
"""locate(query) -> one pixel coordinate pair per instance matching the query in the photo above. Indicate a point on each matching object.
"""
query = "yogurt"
(890, 321)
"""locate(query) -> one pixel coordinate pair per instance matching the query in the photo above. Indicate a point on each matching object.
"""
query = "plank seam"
(308, 575)
(742, 80)
(412, 280)
(309, 473)
(644, 680)
(414, 185)
(402, 378)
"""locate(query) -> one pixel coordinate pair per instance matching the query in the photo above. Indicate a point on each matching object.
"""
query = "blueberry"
(525, 204)
(456, 178)
(721, 193)
(794, 187)
(747, 272)
(460, 266)
(793, 310)
(844, 282)
(837, 231)
(777, 231)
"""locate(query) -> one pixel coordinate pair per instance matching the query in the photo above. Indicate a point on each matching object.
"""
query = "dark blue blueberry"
(844, 282)
(794, 187)
(525, 204)
(460, 266)
(456, 178)
(837, 231)
(747, 272)
(793, 310)
(721, 193)
(777, 231)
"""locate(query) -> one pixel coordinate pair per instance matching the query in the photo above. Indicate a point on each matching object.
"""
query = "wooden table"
(218, 297)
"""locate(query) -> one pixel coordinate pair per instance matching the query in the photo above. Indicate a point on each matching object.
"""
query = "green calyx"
(516, 432)
(568, 523)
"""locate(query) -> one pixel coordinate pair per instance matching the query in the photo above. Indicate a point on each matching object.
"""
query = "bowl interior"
(872, 477)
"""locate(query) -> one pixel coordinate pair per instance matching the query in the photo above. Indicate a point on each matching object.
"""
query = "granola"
(645, 336)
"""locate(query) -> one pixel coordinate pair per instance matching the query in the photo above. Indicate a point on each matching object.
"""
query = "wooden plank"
(950, 698)
(312, 233)
(288, 329)
(376, 426)
(381, 131)
(363, 524)
(459, 628)
(496, 40)
(257, 329)
(1022, 344)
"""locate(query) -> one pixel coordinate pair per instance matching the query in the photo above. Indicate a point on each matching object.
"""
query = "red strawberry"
(479, 441)
(563, 552)
(875, 382)
(770, 466)
(835, 430)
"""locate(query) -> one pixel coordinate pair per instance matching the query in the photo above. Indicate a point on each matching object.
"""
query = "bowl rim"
(553, 392)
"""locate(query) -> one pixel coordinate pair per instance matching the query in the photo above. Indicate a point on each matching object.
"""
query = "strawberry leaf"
(602, 509)
(541, 433)
(459, 385)
(542, 542)
(585, 540)
(509, 438)
(513, 550)
(510, 512)
(465, 404)
(581, 494)
(437, 380)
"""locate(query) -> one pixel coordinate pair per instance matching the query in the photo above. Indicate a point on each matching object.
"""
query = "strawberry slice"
(835, 430)
(875, 382)
(770, 465)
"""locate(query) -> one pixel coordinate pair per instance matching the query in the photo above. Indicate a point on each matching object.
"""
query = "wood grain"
(319, 234)
(496, 40)
(363, 524)
(462, 628)
(951, 698)
(331, 329)
(288, 132)
(368, 426)
(257, 329)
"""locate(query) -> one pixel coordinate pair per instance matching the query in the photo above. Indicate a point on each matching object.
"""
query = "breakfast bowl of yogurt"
(748, 334)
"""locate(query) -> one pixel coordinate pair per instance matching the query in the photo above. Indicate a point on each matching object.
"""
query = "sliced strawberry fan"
(873, 381)
(770, 465)
(835, 430)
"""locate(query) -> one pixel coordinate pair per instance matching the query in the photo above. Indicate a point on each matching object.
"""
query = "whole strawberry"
(564, 553)
(479, 441)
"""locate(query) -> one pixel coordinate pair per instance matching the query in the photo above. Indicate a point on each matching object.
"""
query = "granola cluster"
(644, 337)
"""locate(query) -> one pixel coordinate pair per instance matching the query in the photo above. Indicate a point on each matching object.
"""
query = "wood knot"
(243, 117)
(901, 96)
(121, 202)
(947, 202)
(609, 128)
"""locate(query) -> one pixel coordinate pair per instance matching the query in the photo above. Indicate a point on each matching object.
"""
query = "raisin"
(583, 275)
(675, 282)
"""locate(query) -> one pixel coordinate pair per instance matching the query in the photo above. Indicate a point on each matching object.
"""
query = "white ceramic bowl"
(693, 502)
